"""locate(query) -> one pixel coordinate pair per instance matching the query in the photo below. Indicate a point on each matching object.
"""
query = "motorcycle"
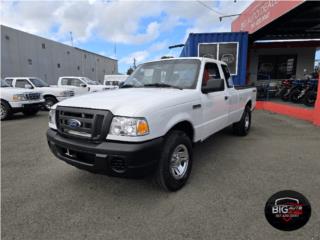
(311, 93)
(284, 90)
(298, 90)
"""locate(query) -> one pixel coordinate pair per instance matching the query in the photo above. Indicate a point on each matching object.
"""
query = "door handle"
(226, 97)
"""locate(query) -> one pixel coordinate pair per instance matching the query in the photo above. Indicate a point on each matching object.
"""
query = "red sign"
(261, 13)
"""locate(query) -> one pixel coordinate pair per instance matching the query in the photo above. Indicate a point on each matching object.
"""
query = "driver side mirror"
(213, 85)
(28, 86)
(83, 85)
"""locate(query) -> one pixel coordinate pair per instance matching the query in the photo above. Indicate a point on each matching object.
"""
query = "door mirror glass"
(213, 85)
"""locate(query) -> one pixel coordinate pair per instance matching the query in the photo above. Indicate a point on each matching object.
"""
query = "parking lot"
(232, 178)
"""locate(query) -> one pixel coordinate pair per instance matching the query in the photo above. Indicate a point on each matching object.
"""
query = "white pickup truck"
(152, 121)
(15, 100)
(114, 81)
(81, 85)
(51, 94)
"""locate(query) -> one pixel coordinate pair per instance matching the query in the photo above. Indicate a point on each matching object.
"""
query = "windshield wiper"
(162, 85)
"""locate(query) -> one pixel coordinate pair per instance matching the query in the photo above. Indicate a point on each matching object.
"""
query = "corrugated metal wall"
(23, 54)
(191, 49)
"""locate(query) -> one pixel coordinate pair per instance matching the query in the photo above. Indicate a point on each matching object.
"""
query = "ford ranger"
(15, 100)
(51, 94)
(151, 123)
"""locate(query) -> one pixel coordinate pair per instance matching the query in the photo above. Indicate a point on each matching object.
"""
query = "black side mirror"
(213, 85)
(83, 85)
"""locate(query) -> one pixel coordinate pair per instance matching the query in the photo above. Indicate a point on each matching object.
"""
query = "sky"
(121, 29)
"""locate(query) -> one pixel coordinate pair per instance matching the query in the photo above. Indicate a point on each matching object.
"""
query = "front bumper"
(25, 105)
(109, 157)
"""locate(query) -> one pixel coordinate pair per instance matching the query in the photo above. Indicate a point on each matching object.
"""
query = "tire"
(294, 95)
(30, 112)
(285, 96)
(49, 102)
(242, 127)
(310, 98)
(5, 111)
(173, 171)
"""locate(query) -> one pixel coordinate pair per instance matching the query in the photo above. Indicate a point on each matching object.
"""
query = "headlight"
(19, 97)
(126, 126)
(52, 118)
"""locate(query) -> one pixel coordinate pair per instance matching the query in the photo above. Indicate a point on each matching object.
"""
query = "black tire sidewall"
(292, 95)
(7, 108)
(49, 99)
(165, 177)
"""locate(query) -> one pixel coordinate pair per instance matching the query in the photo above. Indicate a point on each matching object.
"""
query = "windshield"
(4, 84)
(176, 73)
(37, 82)
(89, 81)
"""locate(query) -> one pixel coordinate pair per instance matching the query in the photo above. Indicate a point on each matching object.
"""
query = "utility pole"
(71, 39)
(134, 63)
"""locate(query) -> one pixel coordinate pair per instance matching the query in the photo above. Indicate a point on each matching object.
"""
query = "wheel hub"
(179, 161)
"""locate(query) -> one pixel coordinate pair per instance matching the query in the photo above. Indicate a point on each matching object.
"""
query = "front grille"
(89, 124)
(71, 93)
(33, 96)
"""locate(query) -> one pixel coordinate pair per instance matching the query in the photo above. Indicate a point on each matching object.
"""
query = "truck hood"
(12, 90)
(52, 89)
(97, 87)
(133, 101)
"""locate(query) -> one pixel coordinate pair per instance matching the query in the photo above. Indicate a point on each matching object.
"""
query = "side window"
(65, 81)
(21, 83)
(211, 72)
(227, 76)
(75, 82)
(9, 81)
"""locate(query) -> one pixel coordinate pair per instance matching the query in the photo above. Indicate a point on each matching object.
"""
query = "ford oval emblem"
(74, 123)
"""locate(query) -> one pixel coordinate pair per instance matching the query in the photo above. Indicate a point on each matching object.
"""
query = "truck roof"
(185, 58)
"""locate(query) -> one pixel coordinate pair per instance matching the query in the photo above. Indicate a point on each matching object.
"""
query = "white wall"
(305, 59)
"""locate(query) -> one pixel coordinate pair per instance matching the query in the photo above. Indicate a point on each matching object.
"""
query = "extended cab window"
(211, 72)
(71, 82)
(227, 76)
(21, 83)
(9, 81)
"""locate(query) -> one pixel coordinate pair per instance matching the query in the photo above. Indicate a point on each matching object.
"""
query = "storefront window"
(276, 67)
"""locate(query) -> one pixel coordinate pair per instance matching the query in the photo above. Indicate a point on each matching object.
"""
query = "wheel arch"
(6, 102)
(185, 126)
(50, 95)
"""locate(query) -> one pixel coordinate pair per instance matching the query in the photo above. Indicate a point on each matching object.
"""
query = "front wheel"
(5, 111)
(310, 98)
(176, 161)
(242, 127)
(49, 102)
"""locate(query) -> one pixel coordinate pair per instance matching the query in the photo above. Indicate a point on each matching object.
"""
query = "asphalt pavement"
(232, 178)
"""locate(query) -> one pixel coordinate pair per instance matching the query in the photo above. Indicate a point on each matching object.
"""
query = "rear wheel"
(310, 98)
(176, 161)
(294, 95)
(242, 127)
(49, 102)
(5, 111)
(30, 112)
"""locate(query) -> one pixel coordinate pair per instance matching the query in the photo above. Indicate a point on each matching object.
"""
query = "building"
(24, 54)
(280, 39)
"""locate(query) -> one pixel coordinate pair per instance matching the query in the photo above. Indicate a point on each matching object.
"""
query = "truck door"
(76, 84)
(215, 104)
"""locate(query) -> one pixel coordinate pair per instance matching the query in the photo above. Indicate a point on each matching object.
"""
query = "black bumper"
(112, 158)
(29, 106)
